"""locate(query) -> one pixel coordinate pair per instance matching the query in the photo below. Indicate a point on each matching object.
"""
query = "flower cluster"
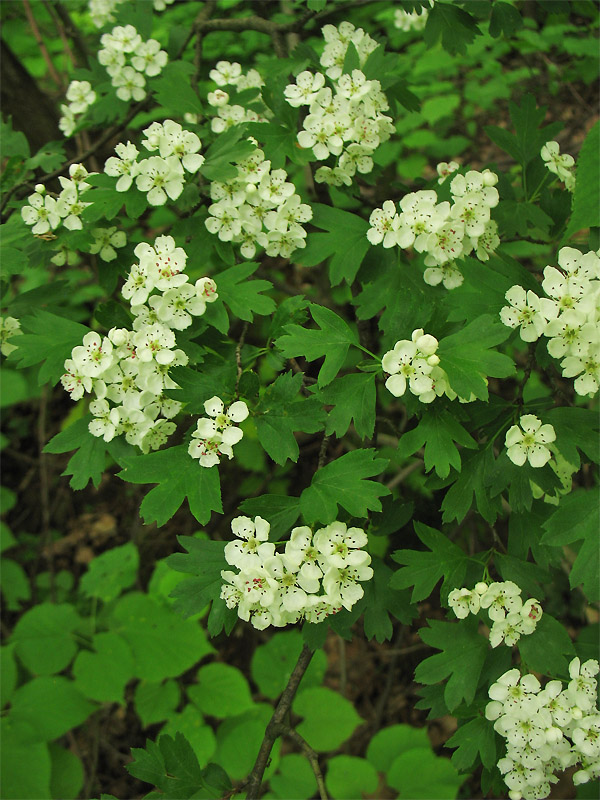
(161, 175)
(316, 575)
(527, 442)
(80, 96)
(569, 316)
(102, 11)
(130, 368)
(346, 122)
(546, 730)
(561, 165)
(122, 45)
(411, 20)
(258, 207)
(414, 364)
(216, 434)
(46, 213)
(227, 73)
(9, 327)
(511, 617)
(443, 231)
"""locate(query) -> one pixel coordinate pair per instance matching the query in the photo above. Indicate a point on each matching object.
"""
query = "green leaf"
(221, 691)
(475, 739)
(44, 637)
(578, 517)
(244, 297)
(204, 560)
(332, 340)
(217, 378)
(102, 674)
(111, 572)
(169, 764)
(473, 481)
(35, 345)
(526, 143)
(387, 743)
(238, 741)
(163, 644)
(294, 779)
(344, 482)
(381, 600)
(423, 569)
(66, 777)
(353, 397)
(455, 27)
(587, 186)
(178, 477)
(505, 19)
(273, 663)
(548, 649)
(349, 776)
(421, 775)
(279, 415)
(8, 673)
(461, 661)
(201, 737)
(328, 718)
(51, 706)
(576, 429)
(227, 148)
(467, 357)
(173, 89)
(154, 702)
(345, 241)
(280, 510)
(14, 583)
(437, 430)
(31, 783)
(530, 577)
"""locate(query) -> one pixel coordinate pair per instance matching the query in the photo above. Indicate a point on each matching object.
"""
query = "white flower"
(528, 312)
(340, 544)
(410, 363)
(385, 224)
(447, 274)
(501, 599)
(105, 241)
(9, 327)
(464, 602)
(306, 89)
(560, 165)
(149, 58)
(226, 73)
(130, 84)
(94, 356)
(160, 177)
(42, 212)
(125, 167)
(80, 95)
(527, 442)
(444, 169)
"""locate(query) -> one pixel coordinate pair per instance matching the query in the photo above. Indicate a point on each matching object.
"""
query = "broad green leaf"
(66, 773)
(419, 774)
(102, 674)
(217, 377)
(178, 477)
(200, 735)
(328, 719)
(8, 673)
(273, 662)
(525, 144)
(14, 583)
(455, 27)
(587, 186)
(381, 600)
(464, 650)
(349, 776)
(154, 702)
(353, 398)
(281, 512)
(32, 782)
(44, 637)
(243, 296)
(344, 482)
(577, 517)
(423, 569)
(163, 644)
(280, 413)
(473, 483)
(345, 241)
(36, 345)
(111, 572)
(530, 577)
(576, 429)
(204, 560)
(221, 691)
(505, 19)
(172, 89)
(437, 430)
(169, 764)
(389, 742)
(294, 779)
(239, 739)
(548, 649)
(468, 359)
(475, 739)
(228, 147)
(51, 705)
(332, 340)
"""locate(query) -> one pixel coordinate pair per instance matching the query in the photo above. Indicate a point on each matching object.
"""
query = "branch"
(73, 31)
(274, 728)
(311, 755)
(40, 43)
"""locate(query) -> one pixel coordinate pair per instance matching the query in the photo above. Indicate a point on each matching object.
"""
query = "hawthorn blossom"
(526, 441)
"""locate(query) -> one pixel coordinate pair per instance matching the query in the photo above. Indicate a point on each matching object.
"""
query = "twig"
(323, 452)
(311, 755)
(238, 355)
(404, 473)
(61, 31)
(73, 31)
(41, 44)
(273, 728)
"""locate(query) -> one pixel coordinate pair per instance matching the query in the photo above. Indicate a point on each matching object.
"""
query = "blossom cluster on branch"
(315, 576)
(45, 212)
(443, 231)
(9, 327)
(511, 617)
(129, 368)
(546, 730)
(216, 434)
(228, 73)
(569, 316)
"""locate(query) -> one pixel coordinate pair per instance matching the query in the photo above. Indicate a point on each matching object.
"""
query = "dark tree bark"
(32, 111)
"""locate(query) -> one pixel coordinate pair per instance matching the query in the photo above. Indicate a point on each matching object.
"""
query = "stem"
(311, 755)
(368, 352)
(40, 43)
(274, 728)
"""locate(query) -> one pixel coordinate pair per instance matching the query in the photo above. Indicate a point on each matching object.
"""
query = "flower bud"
(433, 360)
(40, 188)
(481, 587)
